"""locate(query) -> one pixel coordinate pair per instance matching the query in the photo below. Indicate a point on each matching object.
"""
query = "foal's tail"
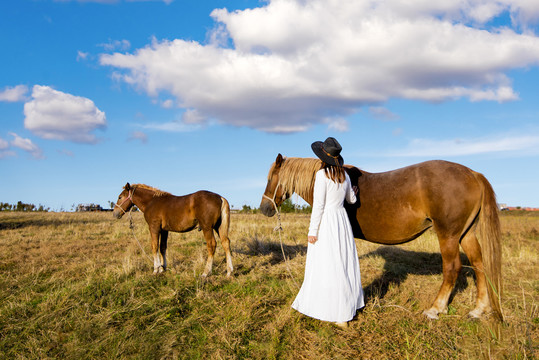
(491, 247)
(225, 219)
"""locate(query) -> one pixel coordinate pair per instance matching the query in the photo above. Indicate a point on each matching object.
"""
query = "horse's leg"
(225, 241)
(157, 268)
(472, 249)
(211, 245)
(163, 249)
(449, 247)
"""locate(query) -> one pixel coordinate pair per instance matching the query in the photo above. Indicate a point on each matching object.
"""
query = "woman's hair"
(334, 173)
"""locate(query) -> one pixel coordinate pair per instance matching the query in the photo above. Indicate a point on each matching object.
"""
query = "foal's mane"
(297, 175)
(156, 192)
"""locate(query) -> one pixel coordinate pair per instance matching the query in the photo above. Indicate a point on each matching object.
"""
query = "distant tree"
(24, 207)
(288, 206)
(88, 207)
(5, 206)
(305, 209)
(20, 206)
(42, 208)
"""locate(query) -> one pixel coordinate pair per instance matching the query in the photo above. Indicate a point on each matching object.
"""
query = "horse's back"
(207, 206)
(428, 179)
(183, 213)
(397, 206)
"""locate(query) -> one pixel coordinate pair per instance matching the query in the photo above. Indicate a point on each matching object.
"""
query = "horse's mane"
(156, 191)
(297, 175)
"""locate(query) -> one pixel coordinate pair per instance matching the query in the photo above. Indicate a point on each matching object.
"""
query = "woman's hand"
(312, 239)
(355, 189)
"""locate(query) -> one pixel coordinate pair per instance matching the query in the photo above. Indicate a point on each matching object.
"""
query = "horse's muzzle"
(267, 208)
(117, 214)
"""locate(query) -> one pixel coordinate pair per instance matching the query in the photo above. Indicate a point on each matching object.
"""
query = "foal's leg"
(211, 245)
(471, 248)
(225, 241)
(157, 267)
(449, 247)
(163, 249)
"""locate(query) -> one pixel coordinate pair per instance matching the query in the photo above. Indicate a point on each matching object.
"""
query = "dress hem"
(332, 321)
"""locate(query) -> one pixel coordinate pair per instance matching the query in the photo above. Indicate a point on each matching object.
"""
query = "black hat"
(328, 151)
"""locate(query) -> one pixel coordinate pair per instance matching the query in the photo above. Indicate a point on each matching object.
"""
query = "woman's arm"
(351, 191)
(319, 202)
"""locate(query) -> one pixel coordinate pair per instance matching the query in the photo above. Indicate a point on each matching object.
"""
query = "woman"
(331, 289)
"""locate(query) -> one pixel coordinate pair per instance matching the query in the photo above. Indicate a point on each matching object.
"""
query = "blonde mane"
(297, 175)
(156, 191)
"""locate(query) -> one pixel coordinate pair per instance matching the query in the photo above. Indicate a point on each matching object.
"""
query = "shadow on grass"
(400, 263)
(39, 220)
(270, 250)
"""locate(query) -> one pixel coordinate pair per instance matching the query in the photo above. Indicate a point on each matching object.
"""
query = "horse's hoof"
(475, 313)
(431, 314)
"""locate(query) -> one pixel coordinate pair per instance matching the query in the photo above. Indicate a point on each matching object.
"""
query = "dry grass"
(78, 286)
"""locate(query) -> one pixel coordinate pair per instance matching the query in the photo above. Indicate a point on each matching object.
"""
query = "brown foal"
(165, 212)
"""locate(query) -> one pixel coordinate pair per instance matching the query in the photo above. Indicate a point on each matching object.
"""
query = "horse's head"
(275, 194)
(125, 201)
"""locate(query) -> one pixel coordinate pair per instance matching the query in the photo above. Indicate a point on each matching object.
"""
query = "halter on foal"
(165, 212)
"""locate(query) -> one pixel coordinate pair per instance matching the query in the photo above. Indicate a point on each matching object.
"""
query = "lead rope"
(131, 224)
(132, 227)
(279, 228)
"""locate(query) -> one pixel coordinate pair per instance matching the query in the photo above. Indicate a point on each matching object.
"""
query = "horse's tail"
(225, 219)
(491, 247)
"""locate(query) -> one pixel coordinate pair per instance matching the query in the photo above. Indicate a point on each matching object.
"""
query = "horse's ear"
(279, 160)
(127, 186)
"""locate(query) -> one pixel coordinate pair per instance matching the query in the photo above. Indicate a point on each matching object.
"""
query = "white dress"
(331, 289)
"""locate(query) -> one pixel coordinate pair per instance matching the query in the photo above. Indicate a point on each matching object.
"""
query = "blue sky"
(190, 95)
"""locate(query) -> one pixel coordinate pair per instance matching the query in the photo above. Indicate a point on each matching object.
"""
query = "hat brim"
(319, 151)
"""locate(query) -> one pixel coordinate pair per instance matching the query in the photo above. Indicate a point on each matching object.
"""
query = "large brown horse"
(165, 212)
(397, 206)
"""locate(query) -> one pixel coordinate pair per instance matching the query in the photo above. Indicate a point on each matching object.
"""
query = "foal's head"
(125, 201)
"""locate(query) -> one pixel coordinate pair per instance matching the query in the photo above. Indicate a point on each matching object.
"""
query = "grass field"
(78, 286)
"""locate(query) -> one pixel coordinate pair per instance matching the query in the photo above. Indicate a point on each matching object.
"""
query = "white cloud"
(53, 114)
(81, 56)
(116, 45)
(382, 113)
(138, 135)
(191, 116)
(14, 94)
(167, 104)
(66, 152)
(172, 126)
(4, 145)
(27, 145)
(338, 124)
(4, 149)
(6, 153)
(465, 147)
(295, 63)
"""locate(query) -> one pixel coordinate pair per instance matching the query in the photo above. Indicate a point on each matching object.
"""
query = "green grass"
(77, 286)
